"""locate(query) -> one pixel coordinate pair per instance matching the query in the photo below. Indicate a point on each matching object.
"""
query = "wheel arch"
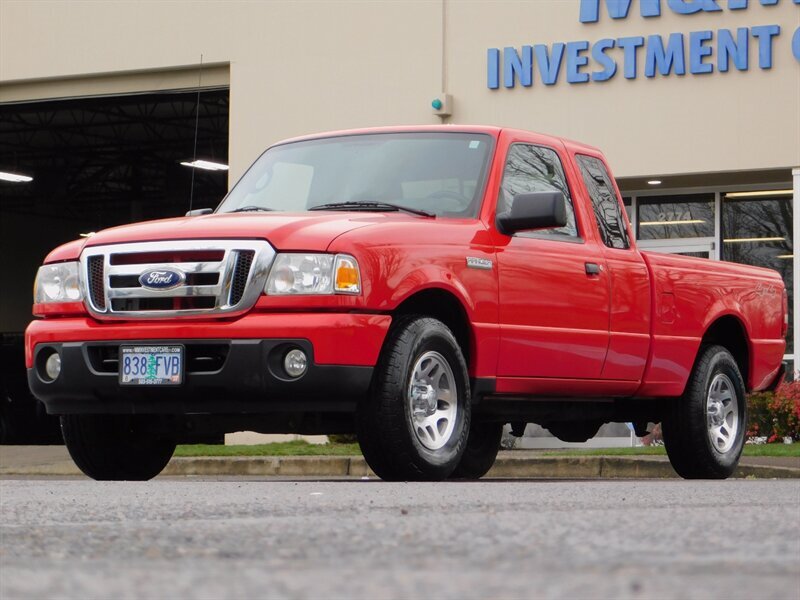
(445, 306)
(730, 332)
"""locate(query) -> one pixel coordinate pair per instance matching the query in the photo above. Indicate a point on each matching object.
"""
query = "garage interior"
(95, 162)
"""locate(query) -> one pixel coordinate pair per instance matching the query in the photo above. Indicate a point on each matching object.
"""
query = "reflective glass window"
(605, 203)
(758, 232)
(536, 169)
(672, 217)
(441, 172)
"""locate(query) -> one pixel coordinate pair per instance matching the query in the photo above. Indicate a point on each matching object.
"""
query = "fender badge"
(479, 263)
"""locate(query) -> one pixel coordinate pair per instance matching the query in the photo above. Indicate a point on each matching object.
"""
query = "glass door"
(683, 224)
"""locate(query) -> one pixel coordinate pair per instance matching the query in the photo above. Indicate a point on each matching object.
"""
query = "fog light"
(295, 362)
(53, 366)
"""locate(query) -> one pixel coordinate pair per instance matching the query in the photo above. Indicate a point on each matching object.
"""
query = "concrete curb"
(506, 467)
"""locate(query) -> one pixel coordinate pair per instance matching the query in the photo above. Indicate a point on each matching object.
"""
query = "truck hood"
(285, 231)
(312, 232)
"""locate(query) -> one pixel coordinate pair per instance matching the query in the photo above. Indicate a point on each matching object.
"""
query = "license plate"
(150, 365)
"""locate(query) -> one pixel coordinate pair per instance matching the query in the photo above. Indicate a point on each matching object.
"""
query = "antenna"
(196, 127)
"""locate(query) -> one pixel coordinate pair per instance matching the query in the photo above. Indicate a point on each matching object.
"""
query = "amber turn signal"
(346, 275)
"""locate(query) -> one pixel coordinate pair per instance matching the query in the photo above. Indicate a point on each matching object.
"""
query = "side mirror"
(199, 211)
(537, 210)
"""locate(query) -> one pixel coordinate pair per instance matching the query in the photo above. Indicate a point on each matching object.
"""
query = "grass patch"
(303, 448)
(772, 450)
(749, 450)
(294, 448)
(644, 450)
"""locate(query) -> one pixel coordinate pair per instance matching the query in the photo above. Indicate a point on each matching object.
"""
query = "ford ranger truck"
(420, 287)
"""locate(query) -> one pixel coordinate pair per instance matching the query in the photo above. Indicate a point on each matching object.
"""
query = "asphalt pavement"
(275, 538)
(526, 464)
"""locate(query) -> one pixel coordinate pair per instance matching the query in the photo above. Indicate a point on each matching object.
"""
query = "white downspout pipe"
(796, 266)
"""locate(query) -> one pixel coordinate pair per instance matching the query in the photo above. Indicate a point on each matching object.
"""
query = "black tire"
(115, 447)
(385, 421)
(6, 427)
(483, 444)
(686, 426)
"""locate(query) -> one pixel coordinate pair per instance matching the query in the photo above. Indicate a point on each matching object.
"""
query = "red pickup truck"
(420, 287)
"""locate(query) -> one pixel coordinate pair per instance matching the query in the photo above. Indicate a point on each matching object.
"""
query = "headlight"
(314, 274)
(57, 283)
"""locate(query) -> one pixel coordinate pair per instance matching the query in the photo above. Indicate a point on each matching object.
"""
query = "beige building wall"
(300, 67)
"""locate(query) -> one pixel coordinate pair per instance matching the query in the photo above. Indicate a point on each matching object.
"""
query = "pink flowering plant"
(775, 415)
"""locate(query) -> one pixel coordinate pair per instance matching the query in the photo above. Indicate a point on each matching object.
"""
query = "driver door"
(554, 289)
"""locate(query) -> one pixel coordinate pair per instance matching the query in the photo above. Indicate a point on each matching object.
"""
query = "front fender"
(430, 277)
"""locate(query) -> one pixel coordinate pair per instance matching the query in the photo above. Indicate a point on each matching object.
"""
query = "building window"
(758, 231)
(627, 202)
(676, 217)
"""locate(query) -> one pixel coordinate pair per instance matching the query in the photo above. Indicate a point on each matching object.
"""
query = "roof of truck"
(494, 131)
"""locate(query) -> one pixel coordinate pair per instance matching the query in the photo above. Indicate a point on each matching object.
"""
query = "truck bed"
(689, 295)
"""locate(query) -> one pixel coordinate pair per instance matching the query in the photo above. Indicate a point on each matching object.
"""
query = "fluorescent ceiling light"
(760, 194)
(785, 256)
(686, 222)
(206, 164)
(757, 239)
(654, 182)
(15, 177)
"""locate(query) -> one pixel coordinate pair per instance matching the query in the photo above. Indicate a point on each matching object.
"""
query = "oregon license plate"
(150, 365)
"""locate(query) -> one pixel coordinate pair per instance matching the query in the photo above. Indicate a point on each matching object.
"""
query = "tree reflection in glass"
(674, 217)
(759, 232)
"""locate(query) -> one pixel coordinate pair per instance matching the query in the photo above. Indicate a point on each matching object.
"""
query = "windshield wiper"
(252, 209)
(371, 206)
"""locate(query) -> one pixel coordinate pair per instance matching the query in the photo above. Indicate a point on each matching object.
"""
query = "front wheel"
(704, 429)
(414, 424)
(115, 447)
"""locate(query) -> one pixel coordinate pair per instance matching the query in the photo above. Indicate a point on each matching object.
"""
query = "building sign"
(695, 52)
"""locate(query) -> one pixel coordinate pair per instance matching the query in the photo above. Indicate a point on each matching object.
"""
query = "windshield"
(439, 173)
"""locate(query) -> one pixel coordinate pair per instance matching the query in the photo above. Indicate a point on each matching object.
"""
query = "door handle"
(593, 268)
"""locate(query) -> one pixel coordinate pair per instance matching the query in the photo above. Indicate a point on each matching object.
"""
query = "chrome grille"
(218, 277)
(240, 273)
(95, 278)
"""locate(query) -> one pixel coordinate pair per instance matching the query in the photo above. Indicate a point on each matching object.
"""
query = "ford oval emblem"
(161, 279)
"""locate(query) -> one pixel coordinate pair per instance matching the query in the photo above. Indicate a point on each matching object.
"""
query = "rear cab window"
(605, 203)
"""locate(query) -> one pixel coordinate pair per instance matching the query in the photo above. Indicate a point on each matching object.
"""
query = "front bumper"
(223, 375)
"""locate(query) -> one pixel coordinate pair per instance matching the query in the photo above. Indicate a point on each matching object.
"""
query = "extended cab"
(418, 286)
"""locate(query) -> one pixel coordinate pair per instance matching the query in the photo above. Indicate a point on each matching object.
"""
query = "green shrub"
(343, 438)
(775, 415)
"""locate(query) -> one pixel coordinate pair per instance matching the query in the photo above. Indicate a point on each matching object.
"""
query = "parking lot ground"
(55, 460)
(182, 538)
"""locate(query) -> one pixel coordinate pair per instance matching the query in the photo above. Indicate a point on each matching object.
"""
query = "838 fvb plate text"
(150, 365)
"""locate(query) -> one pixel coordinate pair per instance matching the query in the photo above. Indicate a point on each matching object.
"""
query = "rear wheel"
(481, 451)
(704, 429)
(414, 424)
(115, 447)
